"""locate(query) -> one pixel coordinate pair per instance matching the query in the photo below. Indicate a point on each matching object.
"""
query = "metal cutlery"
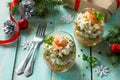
(28, 68)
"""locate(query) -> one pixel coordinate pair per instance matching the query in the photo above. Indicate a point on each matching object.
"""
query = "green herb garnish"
(90, 60)
(99, 16)
(48, 40)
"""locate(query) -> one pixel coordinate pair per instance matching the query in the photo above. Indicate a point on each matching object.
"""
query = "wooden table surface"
(12, 55)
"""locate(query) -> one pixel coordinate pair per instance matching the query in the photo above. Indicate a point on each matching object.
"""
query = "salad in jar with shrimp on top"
(59, 51)
(89, 26)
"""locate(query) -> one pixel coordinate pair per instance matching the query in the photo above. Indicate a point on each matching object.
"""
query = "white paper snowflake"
(66, 18)
(102, 70)
(26, 45)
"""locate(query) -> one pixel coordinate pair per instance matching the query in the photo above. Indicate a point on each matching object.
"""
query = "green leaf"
(85, 57)
(99, 16)
(90, 60)
(48, 40)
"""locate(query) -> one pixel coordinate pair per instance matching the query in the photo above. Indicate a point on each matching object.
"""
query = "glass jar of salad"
(59, 51)
(89, 26)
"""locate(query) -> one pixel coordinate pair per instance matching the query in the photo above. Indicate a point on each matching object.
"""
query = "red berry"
(23, 23)
(115, 48)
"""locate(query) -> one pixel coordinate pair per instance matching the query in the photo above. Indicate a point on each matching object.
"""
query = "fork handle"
(23, 64)
(29, 68)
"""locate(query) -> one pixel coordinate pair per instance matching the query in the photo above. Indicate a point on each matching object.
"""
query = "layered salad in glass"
(89, 26)
(59, 51)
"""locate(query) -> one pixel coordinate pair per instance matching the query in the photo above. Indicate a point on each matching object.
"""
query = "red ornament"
(23, 23)
(115, 48)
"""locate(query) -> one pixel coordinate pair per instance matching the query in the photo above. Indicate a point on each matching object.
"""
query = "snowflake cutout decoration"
(66, 18)
(26, 45)
(102, 70)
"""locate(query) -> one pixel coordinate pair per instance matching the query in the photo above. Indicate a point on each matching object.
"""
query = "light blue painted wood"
(7, 52)
(104, 49)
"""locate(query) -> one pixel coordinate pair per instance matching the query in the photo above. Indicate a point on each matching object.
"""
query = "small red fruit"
(23, 23)
(115, 48)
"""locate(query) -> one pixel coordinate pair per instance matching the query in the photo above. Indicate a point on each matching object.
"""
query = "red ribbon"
(77, 3)
(118, 3)
(17, 34)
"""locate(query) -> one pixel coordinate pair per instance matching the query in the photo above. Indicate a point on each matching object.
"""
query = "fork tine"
(44, 28)
(38, 30)
(41, 31)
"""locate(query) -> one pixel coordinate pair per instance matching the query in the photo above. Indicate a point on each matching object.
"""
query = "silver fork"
(37, 39)
(28, 70)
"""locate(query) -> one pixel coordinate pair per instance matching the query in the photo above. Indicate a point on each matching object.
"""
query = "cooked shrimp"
(90, 15)
(59, 42)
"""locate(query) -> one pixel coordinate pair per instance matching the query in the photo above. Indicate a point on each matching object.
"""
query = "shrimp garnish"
(59, 42)
(90, 15)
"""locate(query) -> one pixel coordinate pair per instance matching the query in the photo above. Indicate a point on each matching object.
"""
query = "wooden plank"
(81, 70)
(101, 52)
(7, 52)
(41, 71)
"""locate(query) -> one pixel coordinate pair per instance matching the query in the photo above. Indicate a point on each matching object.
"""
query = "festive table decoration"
(9, 28)
(113, 38)
(17, 34)
(66, 18)
(115, 48)
(23, 23)
(102, 70)
(27, 8)
(107, 7)
(26, 45)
